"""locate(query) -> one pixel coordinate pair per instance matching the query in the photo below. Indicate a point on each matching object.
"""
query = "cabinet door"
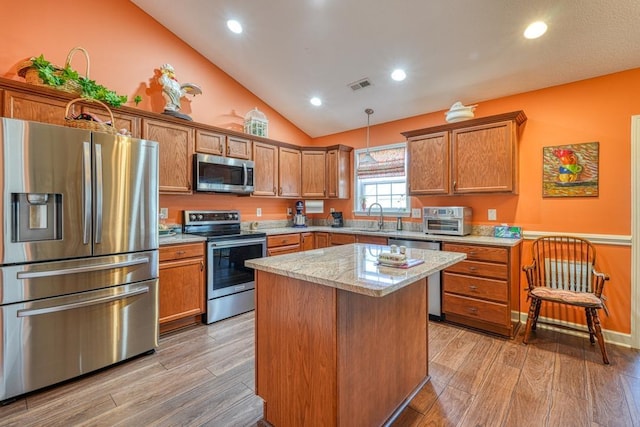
(376, 240)
(429, 164)
(307, 242)
(289, 172)
(322, 240)
(484, 158)
(265, 174)
(122, 121)
(176, 154)
(238, 148)
(336, 239)
(338, 174)
(24, 106)
(208, 142)
(181, 289)
(314, 174)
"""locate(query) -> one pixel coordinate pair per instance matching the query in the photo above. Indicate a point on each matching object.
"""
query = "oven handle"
(235, 243)
(84, 303)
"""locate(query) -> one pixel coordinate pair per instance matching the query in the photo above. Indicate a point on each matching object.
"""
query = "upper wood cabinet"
(239, 148)
(265, 173)
(289, 172)
(338, 173)
(473, 156)
(219, 144)
(176, 144)
(314, 182)
(122, 120)
(25, 106)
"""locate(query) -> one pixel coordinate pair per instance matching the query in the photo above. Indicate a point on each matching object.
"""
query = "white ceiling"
(452, 50)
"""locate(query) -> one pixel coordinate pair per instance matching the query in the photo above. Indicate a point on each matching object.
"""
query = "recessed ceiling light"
(398, 75)
(234, 26)
(535, 30)
(316, 101)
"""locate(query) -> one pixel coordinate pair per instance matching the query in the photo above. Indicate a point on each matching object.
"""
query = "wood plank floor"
(205, 376)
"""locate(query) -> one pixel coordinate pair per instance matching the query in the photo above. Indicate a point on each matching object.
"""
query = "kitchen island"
(340, 340)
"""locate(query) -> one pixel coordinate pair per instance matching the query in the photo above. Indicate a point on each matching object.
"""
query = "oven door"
(226, 272)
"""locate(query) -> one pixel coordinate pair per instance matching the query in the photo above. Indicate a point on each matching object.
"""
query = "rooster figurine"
(172, 91)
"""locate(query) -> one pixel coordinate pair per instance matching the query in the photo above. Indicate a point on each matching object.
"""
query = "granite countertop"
(178, 238)
(354, 267)
(411, 235)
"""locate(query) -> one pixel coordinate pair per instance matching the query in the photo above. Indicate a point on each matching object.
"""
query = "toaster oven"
(451, 220)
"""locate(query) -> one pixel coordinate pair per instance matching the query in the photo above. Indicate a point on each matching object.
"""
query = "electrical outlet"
(332, 210)
(492, 214)
(164, 213)
(258, 211)
(289, 211)
(415, 213)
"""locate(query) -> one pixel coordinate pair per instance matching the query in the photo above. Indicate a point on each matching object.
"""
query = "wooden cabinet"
(289, 172)
(321, 240)
(265, 173)
(283, 244)
(314, 183)
(483, 291)
(336, 239)
(176, 144)
(338, 172)
(182, 285)
(25, 106)
(307, 241)
(473, 156)
(121, 120)
(209, 142)
(376, 240)
(238, 148)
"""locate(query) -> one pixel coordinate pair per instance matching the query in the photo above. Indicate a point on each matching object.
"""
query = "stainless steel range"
(230, 284)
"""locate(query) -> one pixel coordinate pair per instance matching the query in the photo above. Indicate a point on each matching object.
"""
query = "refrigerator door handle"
(98, 238)
(84, 269)
(85, 303)
(86, 192)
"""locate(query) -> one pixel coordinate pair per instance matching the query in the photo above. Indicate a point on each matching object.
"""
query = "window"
(384, 181)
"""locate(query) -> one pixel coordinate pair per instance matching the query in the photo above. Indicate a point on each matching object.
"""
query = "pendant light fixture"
(367, 159)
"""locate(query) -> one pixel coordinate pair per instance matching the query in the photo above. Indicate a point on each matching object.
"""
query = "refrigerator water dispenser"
(36, 216)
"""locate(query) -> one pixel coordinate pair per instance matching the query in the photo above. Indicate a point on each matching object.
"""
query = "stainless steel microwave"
(222, 174)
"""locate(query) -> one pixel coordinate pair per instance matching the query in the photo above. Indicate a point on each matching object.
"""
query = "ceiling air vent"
(360, 84)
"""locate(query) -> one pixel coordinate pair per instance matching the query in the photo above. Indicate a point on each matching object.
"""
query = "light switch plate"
(332, 210)
(164, 213)
(258, 211)
(415, 213)
(492, 214)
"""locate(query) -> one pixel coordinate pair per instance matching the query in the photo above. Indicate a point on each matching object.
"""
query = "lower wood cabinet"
(283, 244)
(483, 291)
(307, 241)
(182, 285)
(321, 240)
(376, 240)
(336, 239)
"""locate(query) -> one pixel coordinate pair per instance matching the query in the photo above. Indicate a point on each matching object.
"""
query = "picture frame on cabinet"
(570, 170)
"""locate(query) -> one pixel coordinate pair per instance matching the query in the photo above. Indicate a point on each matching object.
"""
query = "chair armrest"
(529, 271)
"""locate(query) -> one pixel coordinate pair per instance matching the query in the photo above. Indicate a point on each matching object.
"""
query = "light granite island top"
(340, 340)
(354, 267)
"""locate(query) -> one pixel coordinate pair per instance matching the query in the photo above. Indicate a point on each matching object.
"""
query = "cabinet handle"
(201, 265)
(472, 268)
(180, 252)
(228, 150)
(473, 288)
(280, 191)
(473, 310)
(455, 185)
(220, 147)
(472, 253)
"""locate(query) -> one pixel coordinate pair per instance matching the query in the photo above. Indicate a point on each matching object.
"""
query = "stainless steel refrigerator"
(78, 254)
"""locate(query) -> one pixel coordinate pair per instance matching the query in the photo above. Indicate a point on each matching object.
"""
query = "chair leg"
(530, 319)
(590, 326)
(598, 332)
(534, 325)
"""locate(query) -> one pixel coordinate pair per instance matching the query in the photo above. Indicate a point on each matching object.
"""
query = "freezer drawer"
(55, 339)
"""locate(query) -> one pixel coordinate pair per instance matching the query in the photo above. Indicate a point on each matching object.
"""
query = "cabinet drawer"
(376, 240)
(181, 251)
(280, 250)
(475, 268)
(342, 239)
(283, 240)
(479, 253)
(474, 308)
(476, 287)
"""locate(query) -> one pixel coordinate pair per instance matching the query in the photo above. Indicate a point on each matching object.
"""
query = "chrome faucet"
(381, 219)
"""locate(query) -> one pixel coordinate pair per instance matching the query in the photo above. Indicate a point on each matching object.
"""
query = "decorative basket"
(89, 124)
(31, 74)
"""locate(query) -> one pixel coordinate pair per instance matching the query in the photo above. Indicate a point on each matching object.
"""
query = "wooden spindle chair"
(563, 272)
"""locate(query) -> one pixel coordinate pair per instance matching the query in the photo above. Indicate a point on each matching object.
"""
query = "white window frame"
(401, 210)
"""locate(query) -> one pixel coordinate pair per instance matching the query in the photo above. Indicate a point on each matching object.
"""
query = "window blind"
(389, 162)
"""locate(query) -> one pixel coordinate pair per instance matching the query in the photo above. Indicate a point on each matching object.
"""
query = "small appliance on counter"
(299, 219)
(451, 220)
(338, 221)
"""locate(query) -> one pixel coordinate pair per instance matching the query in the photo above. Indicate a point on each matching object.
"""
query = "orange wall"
(126, 46)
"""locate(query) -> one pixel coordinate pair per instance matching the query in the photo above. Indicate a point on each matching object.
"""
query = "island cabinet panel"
(265, 174)
(483, 291)
(314, 183)
(176, 147)
(181, 286)
(328, 357)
